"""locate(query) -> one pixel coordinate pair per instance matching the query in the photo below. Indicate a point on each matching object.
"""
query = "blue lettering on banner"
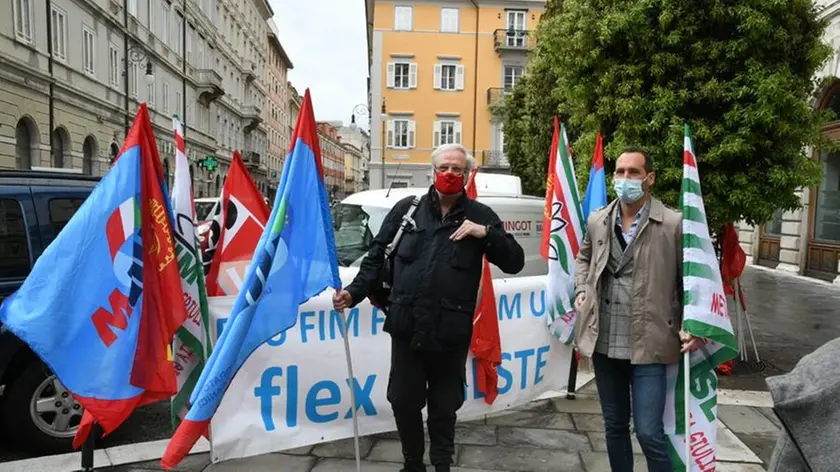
(506, 376)
(336, 328)
(316, 403)
(277, 340)
(306, 325)
(378, 319)
(541, 311)
(507, 310)
(313, 402)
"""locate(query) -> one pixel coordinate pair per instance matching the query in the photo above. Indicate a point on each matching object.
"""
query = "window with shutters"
(401, 134)
(446, 132)
(402, 75)
(449, 20)
(133, 78)
(59, 34)
(22, 11)
(165, 97)
(114, 65)
(449, 77)
(88, 51)
(403, 18)
(512, 75)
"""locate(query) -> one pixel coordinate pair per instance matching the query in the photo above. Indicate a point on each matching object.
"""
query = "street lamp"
(135, 55)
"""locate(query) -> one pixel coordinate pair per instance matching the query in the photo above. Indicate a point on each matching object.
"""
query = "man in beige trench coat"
(628, 295)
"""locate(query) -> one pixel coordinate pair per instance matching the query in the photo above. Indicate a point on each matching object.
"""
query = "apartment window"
(178, 103)
(449, 20)
(23, 19)
(166, 98)
(446, 132)
(132, 8)
(150, 94)
(403, 18)
(150, 14)
(512, 75)
(133, 78)
(59, 34)
(180, 34)
(164, 26)
(515, 26)
(114, 65)
(449, 77)
(88, 51)
(401, 134)
(402, 75)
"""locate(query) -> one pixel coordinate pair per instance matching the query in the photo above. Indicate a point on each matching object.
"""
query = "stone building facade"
(63, 94)
(332, 159)
(277, 122)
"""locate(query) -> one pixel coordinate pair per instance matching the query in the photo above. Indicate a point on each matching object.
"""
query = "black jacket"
(436, 280)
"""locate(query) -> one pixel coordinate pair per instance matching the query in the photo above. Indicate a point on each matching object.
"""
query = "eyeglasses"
(454, 169)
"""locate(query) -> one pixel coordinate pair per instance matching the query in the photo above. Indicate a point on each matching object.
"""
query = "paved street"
(544, 436)
(791, 317)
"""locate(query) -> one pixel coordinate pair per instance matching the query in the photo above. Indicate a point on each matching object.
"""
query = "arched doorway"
(824, 210)
(26, 143)
(61, 148)
(89, 152)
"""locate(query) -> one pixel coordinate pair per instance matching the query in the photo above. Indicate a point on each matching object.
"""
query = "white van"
(359, 217)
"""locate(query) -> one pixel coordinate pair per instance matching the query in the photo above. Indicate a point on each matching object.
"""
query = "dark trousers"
(418, 378)
(615, 378)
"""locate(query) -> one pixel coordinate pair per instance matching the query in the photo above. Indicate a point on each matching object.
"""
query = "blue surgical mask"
(628, 190)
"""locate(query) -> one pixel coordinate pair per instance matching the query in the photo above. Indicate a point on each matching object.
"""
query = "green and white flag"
(191, 346)
(563, 227)
(705, 315)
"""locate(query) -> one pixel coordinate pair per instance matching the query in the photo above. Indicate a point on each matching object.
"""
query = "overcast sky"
(329, 53)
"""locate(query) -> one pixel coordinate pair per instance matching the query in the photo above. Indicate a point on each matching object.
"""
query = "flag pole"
(87, 450)
(687, 400)
(352, 379)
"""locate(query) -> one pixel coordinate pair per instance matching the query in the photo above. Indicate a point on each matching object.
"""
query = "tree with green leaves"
(741, 73)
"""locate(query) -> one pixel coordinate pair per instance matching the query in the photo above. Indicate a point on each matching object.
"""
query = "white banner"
(294, 391)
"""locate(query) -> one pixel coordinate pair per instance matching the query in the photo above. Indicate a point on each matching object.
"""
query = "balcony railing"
(494, 159)
(517, 40)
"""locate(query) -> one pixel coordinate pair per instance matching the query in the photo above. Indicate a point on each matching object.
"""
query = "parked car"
(36, 411)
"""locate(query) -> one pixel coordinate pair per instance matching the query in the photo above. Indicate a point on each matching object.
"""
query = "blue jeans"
(614, 379)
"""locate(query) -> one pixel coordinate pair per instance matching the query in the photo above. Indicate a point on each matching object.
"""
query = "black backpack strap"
(406, 221)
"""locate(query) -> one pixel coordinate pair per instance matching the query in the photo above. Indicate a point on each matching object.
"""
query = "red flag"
(235, 231)
(486, 344)
(163, 310)
(734, 259)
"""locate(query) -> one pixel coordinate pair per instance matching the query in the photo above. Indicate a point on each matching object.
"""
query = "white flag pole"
(352, 379)
(687, 399)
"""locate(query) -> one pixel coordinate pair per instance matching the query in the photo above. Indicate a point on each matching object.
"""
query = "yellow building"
(436, 68)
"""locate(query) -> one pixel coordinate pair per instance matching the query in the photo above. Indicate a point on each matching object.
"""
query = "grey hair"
(454, 147)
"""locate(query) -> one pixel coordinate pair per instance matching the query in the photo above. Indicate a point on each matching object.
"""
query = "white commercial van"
(359, 217)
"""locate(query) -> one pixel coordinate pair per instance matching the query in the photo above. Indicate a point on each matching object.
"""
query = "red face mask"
(448, 183)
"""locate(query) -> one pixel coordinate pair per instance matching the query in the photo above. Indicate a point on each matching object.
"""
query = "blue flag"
(596, 189)
(295, 260)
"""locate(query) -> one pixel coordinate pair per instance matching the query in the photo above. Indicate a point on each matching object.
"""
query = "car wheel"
(39, 413)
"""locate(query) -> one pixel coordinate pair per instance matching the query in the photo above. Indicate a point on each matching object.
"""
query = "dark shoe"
(414, 466)
(443, 468)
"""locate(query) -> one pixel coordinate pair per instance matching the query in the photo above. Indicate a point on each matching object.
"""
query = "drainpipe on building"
(475, 82)
(52, 90)
(125, 64)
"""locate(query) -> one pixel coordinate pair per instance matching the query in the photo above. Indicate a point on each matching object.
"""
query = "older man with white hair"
(436, 273)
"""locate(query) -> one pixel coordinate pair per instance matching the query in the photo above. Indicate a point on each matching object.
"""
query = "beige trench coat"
(657, 284)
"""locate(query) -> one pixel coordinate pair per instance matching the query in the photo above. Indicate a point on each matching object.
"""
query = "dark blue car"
(35, 409)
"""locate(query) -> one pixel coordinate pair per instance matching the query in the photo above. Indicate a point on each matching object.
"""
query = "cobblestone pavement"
(549, 435)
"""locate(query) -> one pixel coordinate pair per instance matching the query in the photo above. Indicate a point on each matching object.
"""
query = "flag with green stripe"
(191, 346)
(705, 314)
(563, 226)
